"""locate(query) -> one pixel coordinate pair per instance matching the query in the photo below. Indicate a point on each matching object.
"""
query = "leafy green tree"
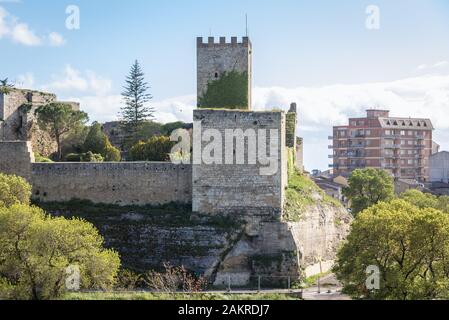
(136, 110)
(58, 119)
(155, 149)
(14, 190)
(229, 91)
(409, 246)
(5, 86)
(36, 250)
(426, 200)
(168, 128)
(98, 142)
(368, 187)
(73, 141)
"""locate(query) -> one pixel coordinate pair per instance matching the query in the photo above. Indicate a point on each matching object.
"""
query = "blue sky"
(318, 53)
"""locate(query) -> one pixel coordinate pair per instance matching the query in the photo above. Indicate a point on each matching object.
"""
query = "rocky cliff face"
(224, 249)
(318, 236)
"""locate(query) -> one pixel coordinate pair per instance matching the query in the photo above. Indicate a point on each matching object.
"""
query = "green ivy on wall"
(290, 129)
(230, 91)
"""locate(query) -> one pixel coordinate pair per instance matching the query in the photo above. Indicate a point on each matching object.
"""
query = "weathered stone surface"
(16, 158)
(240, 188)
(319, 234)
(18, 120)
(213, 59)
(121, 183)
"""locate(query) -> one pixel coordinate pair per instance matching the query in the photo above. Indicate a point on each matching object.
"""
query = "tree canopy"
(368, 187)
(409, 246)
(13, 190)
(58, 119)
(97, 142)
(426, 200)
(36, 250)
(155, 149)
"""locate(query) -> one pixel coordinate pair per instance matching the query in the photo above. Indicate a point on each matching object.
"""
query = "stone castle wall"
(16, 158)
(213, 59)
(237, 188)
(121, 183)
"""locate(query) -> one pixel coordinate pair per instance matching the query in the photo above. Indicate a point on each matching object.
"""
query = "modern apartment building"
(402, 146)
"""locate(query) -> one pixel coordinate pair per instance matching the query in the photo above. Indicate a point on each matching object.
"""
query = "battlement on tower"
(215, 61)
(222, 42)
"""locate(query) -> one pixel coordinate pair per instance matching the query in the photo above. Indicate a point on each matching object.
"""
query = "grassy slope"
(302, 192)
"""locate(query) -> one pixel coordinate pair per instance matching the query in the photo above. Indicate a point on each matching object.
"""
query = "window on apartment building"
(403, 152)
(410, 133)
(354, 123)
(387, 132)
(342, 133)
(410, 162)
(402, 133)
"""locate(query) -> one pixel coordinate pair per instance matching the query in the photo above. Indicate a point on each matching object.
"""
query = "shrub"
(14, 190)
(128, 280)
(84, 157)
(37, 249)
(112, 154)
(155, 149)
(91, 157)
(73, 157)
(40, 159)
(174, 279)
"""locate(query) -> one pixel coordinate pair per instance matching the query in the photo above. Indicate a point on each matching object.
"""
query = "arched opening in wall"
(216, 75)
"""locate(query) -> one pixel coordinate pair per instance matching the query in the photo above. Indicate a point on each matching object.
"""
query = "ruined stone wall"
(16, 106)
(213, 59)
(236, 188)
(18, 121)
(121, 183)
(16, 158)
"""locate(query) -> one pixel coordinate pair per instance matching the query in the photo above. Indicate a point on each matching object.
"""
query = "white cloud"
(74, 81)
(437, 65)
(21, 33)
(441, 64)
(56, 40)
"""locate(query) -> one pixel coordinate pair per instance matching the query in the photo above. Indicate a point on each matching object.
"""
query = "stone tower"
(216, 59)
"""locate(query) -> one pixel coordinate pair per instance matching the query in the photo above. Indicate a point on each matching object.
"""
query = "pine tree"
(136, 109)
